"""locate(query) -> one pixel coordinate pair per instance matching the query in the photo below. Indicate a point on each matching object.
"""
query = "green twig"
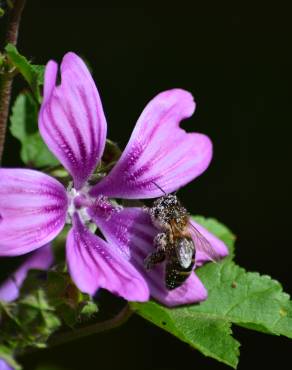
(99, 327)
(7, 78)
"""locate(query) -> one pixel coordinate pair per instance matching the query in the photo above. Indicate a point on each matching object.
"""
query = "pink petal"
(40, 259)
(190, 292)
(71, 120)
(32, 210)
(131, 231)
(159, 151)
(95, 264)
(217, 244)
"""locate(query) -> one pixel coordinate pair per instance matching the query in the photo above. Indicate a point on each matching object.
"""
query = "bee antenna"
(159, 187)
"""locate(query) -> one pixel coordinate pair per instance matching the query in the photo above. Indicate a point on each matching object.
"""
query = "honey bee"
(177, 241)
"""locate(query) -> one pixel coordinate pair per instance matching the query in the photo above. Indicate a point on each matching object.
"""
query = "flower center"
(80, 201)
(104, 208)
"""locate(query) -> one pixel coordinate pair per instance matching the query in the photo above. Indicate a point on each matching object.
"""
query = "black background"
(237, 64)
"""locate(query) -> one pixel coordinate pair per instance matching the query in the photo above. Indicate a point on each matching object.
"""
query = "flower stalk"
(119, 319)
(6, 78)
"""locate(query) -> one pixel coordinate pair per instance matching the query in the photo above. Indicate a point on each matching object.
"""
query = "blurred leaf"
(24, 127)
(111, 154)
(33, 74)
(90, 308)
(7, 355)
(47, 299)
(40, 71)
(61, 289)
(31, 319)
(59, 172)
(64, 296)
(2, 60)
(6, 310)
(71, 305)
(38, 318)
(235, 297)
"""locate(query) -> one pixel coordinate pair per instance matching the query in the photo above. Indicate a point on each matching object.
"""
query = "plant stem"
(6, 79)
(99, 327)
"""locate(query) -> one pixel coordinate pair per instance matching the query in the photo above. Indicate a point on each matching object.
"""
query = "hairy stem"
(99, 327)
(6, 79)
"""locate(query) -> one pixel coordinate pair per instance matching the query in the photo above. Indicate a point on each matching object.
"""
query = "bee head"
(164, 210)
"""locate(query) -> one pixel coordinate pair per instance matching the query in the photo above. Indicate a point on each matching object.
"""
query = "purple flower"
(4, 365)
(35, 207)
(40, 259)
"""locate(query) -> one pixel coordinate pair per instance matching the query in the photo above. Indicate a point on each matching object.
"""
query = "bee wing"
(185, 251)
(202, 244)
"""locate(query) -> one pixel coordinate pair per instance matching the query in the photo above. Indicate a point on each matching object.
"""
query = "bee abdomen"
(175, 275)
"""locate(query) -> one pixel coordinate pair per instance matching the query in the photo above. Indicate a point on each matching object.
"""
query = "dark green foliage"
(235, 297)
(24, 127)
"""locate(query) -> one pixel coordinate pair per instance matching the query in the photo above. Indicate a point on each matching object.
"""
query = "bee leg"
(153, 258)
(160, 243)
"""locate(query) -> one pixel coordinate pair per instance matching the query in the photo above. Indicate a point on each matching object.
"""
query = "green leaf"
(24, 127)
(246, 299)
(29, 321)
(235, 297)
(210, 335)
(40, 73)
(88, 310)
(33, 74)
(110, 156)
(2, 61)
(7, 355)
(38, 318)
(71, 305)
